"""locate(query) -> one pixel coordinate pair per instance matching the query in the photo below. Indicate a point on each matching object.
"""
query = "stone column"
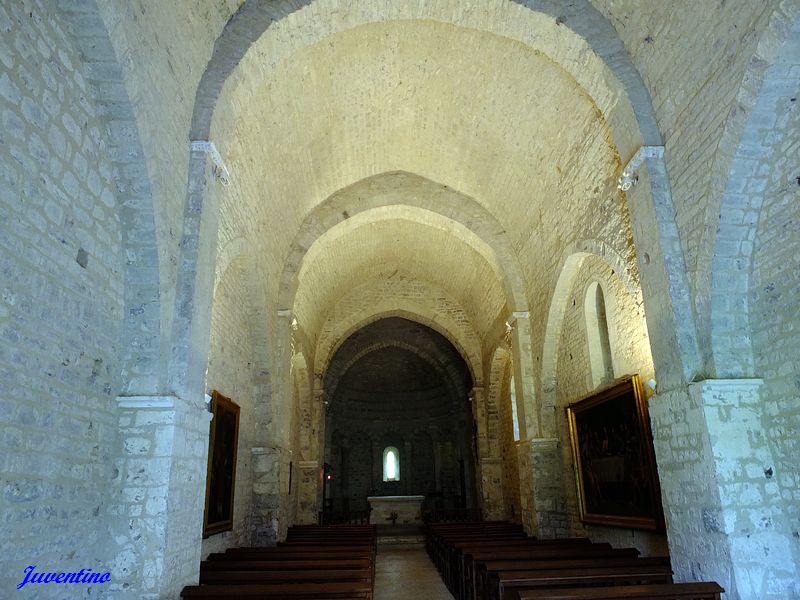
(161, 478)
(490, 468)
(542, 491)
(528, 417)
(662, 267)
(309, 485)
(265, 523)
(343, 478)
(721, 498)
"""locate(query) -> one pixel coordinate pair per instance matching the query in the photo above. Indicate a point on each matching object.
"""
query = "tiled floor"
(405, 572)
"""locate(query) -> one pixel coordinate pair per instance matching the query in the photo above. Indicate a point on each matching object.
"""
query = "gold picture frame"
(615, 467)
(221, 475)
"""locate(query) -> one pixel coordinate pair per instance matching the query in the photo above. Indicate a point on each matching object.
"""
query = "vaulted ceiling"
(438, 151)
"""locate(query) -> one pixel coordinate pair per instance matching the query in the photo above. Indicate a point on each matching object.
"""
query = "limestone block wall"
(230, 371)
(630, 354)
(356, 453)
(724, 510)
(775, 309)
(693, 100)
(61, 299)
(163, 49)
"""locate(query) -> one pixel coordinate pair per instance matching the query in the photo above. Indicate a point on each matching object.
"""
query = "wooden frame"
(221, 475)
(615, 465)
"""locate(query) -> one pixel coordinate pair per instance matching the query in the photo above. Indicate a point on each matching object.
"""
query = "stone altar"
(408, 509)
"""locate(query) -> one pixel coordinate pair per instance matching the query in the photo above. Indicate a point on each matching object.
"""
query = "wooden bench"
(442, 547)
(282, 591)
(333, 562)
(463, 569)
(505, 585)
(673, 591)
(438, 544)
(484, 568)
(437, 535)
(239, 553)
(284, 576)
(298, 564)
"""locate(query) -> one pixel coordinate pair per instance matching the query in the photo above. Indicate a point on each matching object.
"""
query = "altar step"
(400, 534)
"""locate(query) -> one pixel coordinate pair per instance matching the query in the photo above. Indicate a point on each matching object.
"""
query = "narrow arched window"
(597, 335)
(514, 417)
(391, 464)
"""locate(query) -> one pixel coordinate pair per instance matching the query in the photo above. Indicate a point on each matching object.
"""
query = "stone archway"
(142, 399)
(142, 364)
(622, 101)
(752, 347)
(463, 339)
(400, 382)
(765, 130)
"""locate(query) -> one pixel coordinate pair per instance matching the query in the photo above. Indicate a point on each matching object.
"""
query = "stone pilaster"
(528, 417)
(160, 475)
(542, 491)
(309, 484)
(720, 492)
(490, 467)
(266, 496)
(491, 478)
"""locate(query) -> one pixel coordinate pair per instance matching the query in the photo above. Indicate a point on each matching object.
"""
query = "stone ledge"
(146, 402)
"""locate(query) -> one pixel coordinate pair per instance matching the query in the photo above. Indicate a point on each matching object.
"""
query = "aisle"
(405, 572)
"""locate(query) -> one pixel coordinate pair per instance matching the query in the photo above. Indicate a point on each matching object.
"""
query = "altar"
(406, 508)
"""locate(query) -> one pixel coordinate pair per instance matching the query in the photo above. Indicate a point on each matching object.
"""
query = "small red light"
(330, 477)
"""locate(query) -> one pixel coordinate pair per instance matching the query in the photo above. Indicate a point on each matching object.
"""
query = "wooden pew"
(673, 591)
(282, 591)
(242, 553)
(506, 585)
(463, 576)
(292, 560)
(285, 576)
(438, 533)
(298, 564)
(462, 555)
(316, 562)
(484, 568)
(437, 542)
(442, 545)
(449, 555)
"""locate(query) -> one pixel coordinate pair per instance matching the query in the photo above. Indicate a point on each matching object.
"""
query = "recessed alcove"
(398, 386)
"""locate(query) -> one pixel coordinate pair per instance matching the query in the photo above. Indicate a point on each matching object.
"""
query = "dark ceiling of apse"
(392, 369)
(398, 355)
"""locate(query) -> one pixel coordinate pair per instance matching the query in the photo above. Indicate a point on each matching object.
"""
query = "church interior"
(405, 239)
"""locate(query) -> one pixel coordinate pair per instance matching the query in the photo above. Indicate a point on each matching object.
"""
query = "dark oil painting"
(221, 478)
(614, 458)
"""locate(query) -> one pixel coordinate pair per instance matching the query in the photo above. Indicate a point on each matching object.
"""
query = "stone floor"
(404, 572)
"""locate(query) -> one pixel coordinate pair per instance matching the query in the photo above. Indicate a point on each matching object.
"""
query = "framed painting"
(615, 463)
(221, 477)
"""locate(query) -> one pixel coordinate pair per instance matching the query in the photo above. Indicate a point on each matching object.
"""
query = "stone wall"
(230, 371)
(774, 312)
(61, 305)
(693, 100)
(722, 500)
(630, 354)
(356, 456)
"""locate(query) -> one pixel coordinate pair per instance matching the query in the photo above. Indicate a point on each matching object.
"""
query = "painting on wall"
(221, 478)
(615, 464)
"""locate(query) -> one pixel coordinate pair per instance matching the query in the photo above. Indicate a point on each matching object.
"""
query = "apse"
(398, 421)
